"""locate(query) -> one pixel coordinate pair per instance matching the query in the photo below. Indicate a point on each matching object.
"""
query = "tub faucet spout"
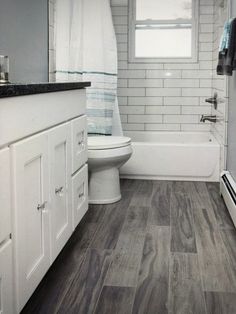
(211, 118)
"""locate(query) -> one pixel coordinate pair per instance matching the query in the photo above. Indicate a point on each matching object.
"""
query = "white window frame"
(132, 26)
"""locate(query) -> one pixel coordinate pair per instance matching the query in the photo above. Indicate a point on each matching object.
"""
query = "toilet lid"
(106, 142)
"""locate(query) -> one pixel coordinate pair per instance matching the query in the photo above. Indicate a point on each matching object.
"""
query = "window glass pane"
(163, 9)
(163, 43)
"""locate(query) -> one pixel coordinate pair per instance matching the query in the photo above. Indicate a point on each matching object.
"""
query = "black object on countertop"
(11, 90)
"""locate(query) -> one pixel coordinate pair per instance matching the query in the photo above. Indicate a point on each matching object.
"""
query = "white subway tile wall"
(168, 96)
(165, 96)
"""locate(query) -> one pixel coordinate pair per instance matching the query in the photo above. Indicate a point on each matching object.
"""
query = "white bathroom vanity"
(43, 181)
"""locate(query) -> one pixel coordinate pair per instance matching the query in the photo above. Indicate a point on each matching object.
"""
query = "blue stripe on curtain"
(104, 98)
(101, 98)
(107, 130)
(100, 112)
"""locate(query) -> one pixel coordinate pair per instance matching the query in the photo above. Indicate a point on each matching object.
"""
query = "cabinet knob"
(41, 206)
(81, 194)
(81, 143)
(59, 190)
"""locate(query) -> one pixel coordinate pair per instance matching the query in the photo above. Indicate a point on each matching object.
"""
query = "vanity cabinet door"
(60, 187)
(5, 208)
(6, 279)
(31, 216)
(79, 143)
(79, 194)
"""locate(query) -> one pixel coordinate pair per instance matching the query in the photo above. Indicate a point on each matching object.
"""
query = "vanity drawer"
(25, 113)
(79, 195)
(79, 143)
(5, 205)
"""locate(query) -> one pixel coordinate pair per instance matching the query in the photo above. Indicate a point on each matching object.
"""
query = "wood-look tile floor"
(166, 247)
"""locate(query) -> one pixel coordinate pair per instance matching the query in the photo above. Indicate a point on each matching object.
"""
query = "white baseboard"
(228, 189)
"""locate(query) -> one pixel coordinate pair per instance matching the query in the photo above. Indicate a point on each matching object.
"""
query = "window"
(163, 30)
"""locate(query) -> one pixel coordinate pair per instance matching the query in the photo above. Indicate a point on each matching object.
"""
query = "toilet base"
(104, 202)
(104, 186)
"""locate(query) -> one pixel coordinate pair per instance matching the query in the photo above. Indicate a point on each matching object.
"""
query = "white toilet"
(106, 154)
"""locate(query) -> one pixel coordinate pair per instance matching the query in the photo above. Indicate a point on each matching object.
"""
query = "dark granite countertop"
(11, 90)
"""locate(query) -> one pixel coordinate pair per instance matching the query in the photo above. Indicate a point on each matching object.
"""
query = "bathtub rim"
(214, 141)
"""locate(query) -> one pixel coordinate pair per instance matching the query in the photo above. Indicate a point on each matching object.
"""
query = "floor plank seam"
(97, 229)
(72, 281)
(113, 252)
(170, 257)
(91, 239)
(136, 287)
(96, 304)
(198, 261)
(169, 275)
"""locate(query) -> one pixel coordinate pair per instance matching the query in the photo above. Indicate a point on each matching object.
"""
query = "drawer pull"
(41, 206)
(81, 195)
(59, 190)
(80, 143)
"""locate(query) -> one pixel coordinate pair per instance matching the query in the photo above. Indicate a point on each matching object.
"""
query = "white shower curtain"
(86, 51)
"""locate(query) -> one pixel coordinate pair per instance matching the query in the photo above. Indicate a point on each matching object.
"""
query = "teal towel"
(224, 42)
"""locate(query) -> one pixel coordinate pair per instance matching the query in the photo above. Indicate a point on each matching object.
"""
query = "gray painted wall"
(24, 38)
(231, 154)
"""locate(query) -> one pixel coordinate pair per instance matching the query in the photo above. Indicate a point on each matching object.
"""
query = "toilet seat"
(107, 142)
(103, 154)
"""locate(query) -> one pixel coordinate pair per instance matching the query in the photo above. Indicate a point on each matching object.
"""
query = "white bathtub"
(173, 156)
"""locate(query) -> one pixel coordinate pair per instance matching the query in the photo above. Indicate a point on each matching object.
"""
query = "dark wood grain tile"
(63, 271)
(85, 234)
(182, 230)
(199, 190)
(115, 300)
(146, 186)
(127, 246)
(124, 268)
(130, 185)
(229, 240)
(203, 213)
(186, 295)
(203, 220)
(160, 204)
(195, 190)
(222, 215)
(220, 302)
(95, 213)
(143, 195)
(87, 284)
(49, 294)
(136, 218)
(110, 227)
(130, 240)
(180, 187)
(216, 269)
(152, 290)
(126, 258)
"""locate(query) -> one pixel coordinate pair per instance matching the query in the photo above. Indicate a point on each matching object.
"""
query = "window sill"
(163, 60)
